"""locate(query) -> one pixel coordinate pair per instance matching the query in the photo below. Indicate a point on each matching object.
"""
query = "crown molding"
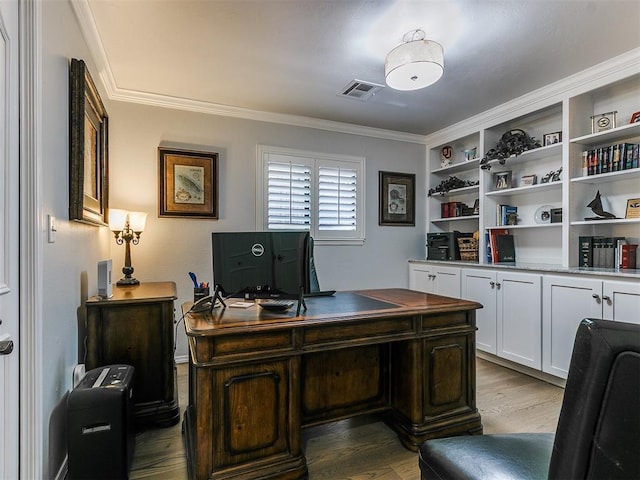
(90, 33)
(609, 71)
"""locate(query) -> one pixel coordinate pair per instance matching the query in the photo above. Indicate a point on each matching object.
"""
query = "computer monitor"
(263, 264)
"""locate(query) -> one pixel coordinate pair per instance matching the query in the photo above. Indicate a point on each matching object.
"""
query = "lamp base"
(127, 281)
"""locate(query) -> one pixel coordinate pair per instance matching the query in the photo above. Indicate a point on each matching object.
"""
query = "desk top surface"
(143, 292)
(342, 306)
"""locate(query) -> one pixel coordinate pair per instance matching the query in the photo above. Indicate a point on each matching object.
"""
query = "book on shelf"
(506, 248)
(506, 215)
(585, 251)
(629, 256)
(612, 158)
(488, 249)
(493, 233)
(600, 251)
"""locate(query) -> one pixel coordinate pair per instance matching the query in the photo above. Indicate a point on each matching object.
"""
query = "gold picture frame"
(188, 183)
(396, 199)
(633, 208)
(88, 148)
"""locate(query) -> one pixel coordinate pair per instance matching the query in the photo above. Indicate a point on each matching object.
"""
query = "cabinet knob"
(596, 296)
(493, 284)
(606, 298)
(498, 285)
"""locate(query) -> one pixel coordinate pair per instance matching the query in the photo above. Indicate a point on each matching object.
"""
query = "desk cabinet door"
(135, 335)
(251, 415)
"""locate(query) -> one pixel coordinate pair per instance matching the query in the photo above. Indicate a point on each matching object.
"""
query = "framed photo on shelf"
(502, 180)
(88, 148)
(527, 180)
(396, 199)
(633, 208)
(551, 138)
(635, 118)
(603, 121)
(188, 183)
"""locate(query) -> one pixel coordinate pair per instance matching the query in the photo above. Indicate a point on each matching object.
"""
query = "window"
(321, 193)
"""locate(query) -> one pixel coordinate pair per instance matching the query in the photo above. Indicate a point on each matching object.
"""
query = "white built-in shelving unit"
(564, 107)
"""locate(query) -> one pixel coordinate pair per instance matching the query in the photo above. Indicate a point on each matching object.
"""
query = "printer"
(444, 245)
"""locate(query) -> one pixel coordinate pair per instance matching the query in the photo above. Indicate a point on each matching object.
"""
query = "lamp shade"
(137, 221)
(414, 65)
(117, 219)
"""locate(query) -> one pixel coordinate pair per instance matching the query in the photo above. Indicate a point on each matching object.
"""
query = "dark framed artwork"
(188, 183)
(397, 199)
(88, 148)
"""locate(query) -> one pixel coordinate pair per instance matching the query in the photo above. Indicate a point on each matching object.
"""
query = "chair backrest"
(598, 434)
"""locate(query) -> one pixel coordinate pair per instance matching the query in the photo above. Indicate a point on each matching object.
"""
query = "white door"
(520, 318)
(480, 286)
(567, 300)
(9, 368)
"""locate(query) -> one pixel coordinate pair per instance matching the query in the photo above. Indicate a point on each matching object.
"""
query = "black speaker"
(100, 424)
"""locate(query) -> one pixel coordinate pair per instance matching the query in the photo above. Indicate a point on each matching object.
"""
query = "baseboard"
(182, 359)
(545, 377)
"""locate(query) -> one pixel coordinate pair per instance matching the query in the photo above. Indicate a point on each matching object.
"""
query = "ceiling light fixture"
(415, 64)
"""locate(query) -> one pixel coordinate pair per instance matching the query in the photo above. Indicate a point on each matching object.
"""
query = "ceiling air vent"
(360, 90)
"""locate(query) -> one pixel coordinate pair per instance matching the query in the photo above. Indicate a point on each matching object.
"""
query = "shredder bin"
(100, 424)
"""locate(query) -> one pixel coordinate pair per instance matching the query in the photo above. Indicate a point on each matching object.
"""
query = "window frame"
(315, 160)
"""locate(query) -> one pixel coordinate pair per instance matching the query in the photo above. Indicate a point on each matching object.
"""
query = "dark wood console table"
(135, 327)
(256, 378)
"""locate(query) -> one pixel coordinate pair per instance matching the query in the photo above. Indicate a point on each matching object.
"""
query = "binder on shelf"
(492, 241)
(506, 249)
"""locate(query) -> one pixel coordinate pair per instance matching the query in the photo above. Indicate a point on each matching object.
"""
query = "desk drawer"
(254, 343)
(363, 330)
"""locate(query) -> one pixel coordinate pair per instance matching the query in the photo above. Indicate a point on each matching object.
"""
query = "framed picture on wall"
(188, 183)
(88, 148)
(396, 199)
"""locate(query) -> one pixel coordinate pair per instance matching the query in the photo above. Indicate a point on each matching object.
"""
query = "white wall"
(170, 247)
(69, 264)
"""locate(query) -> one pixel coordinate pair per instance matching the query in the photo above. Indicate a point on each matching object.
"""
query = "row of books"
(606, 252)
(506, 215)
(500, 246)
(455, 209)
(613, 158)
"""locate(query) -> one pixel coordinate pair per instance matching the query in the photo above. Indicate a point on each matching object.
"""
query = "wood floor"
(364, 448)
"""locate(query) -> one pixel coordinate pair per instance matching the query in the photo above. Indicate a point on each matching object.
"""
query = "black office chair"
(598, 433)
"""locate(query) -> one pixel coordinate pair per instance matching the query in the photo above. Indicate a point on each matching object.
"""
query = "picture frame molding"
(200, 163)
(88, 191)
(385, 216)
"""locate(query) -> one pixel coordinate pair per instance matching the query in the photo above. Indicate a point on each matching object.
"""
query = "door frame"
(31, 222)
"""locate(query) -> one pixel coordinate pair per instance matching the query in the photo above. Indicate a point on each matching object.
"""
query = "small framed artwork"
(396, 199)
(528, 180)
(502, 180)
(633, 208)
(635, 118)
(446, 156)
(188, 183)
(88, 148)
(551, 138)
(603, 121)
(470, 154)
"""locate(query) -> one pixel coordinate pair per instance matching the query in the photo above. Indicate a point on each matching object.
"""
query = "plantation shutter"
(288, 194)
(337, 198)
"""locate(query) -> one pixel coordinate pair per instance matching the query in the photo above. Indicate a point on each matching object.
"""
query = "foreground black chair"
(598, 433)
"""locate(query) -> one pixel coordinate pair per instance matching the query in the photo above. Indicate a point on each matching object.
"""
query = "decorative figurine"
(596, 206)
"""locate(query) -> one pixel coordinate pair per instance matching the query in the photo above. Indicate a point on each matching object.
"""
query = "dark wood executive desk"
(257, 378)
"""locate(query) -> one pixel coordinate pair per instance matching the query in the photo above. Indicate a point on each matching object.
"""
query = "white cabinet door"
(479, 285)
(420, 278)
(566, 301)
(519, 318)
(447, 281)
(621, 301)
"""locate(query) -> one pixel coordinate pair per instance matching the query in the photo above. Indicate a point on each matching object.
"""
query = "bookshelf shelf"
(453, 219)
(540, 187)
